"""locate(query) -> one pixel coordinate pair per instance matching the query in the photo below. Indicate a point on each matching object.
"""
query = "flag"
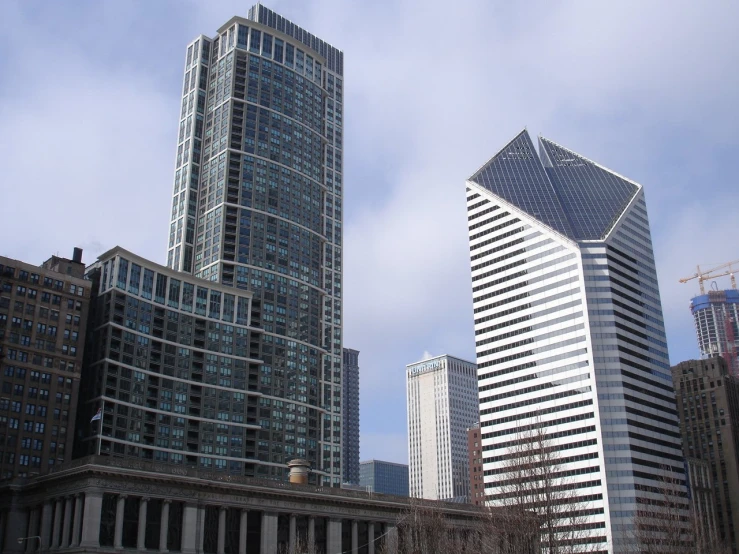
(98, 415)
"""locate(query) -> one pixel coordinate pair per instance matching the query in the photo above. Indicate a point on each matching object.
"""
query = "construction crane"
(713, 273)
(728, 344)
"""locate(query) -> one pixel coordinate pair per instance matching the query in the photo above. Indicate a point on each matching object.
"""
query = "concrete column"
(355, 537)
(189, 528)
(242, 532)
(15, 522)
(391, 539)
(201, 528)
(91, 521)
(293, 535)
(312, 535)
(269, 533)
(55, 533)
(67, 521)
(32, 544)
(164, 526)
(77, 523)
(333, 536)
(119, 508)
(46, 517)
(141, 538)
(371, 537)
(221, 531)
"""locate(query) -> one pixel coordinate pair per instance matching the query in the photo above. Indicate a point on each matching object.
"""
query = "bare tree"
(424, 529)
(534, 479)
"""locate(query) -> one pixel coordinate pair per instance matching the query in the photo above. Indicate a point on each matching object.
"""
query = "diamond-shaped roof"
(592, 197)
(516, 174)
(565, 191)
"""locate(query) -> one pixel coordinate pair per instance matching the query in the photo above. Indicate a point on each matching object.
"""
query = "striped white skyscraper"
(442, 404)
(569, 332)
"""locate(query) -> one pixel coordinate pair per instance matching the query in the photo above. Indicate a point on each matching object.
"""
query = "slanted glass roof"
(563, 190)
(516, 175)
(592, 197)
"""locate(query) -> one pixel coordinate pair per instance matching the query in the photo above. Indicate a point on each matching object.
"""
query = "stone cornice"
(160, 481)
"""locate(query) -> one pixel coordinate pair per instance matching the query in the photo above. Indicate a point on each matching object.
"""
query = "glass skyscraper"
(350, 416)
(384, 477)
(257, 205)
(569, 333)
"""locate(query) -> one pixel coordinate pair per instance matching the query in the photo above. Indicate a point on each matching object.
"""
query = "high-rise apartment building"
(257, 205)
(442, 404)
(350, 415)
(716, 317)
(43, 317)
(384, 477)
(708, 404)
(569, 332)
(167, 368)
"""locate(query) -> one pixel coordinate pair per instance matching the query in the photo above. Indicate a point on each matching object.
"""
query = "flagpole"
(100, 429)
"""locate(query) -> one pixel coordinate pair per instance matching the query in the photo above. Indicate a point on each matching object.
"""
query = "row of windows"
(527, 248)
(492, 230)
(529, 259)
(555, 448)
(538, 413)
(488, 220)
(504, 246)
(538, 400)
(528, 365)
(35, 279)
(547, 437)
(536, 375)
(532, 340)
(480, 213)
(535, 388)
(538, 425)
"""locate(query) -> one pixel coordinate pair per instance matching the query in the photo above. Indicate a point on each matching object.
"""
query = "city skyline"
(673, 131)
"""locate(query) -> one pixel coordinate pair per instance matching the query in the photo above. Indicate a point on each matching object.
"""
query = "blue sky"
(89, 100)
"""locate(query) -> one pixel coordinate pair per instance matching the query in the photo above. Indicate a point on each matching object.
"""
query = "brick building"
(43, 315)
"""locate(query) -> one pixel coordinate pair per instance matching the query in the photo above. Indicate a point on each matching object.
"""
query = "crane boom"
(712, 273)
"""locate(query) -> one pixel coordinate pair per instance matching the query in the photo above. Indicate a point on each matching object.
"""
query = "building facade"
(257, 205)
(169, 368)
(350, 415)
(708, 404)
(43, 318)
(569, 332)
(384, 477)
(716, 317)
(474, 451)
(103, 504)
(442, 404)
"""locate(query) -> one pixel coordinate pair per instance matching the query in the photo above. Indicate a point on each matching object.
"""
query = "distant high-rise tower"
(442, 404)
(716, 316)
(569, 332)
(257, 204)
(384, 477)
(350, 415)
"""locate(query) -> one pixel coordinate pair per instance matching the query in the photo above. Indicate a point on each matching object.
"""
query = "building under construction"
(716, 315)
